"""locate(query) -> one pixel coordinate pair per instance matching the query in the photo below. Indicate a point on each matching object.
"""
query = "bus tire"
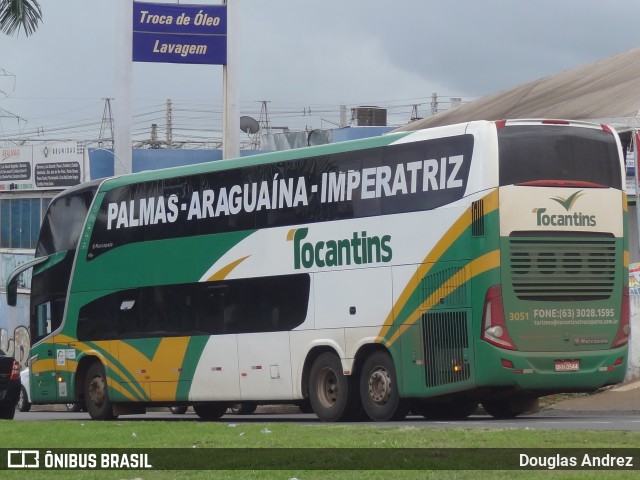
(73, 407)
(510, 407)
(455, 409)
(210, 411)
(305, 406)
(181, 410)
(332, 394)
(379, 389)
(244, 408)
(96, 394)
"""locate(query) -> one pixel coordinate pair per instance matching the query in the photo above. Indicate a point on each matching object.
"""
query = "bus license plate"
(567, 365)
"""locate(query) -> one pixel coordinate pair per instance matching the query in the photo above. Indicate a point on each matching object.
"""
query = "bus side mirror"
(12, 292)
(12, 281)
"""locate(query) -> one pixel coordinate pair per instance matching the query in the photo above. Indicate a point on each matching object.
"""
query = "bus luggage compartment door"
(42, 381)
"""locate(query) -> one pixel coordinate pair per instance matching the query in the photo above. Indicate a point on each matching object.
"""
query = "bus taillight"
(624, 329)
(494, 327)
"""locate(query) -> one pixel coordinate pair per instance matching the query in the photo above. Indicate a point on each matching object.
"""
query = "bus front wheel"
(379, 389)
(96, 394)
(244, 408)
(333, 395)
(210, 411)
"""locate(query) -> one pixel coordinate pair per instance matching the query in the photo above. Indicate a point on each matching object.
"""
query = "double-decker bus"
(432, 271)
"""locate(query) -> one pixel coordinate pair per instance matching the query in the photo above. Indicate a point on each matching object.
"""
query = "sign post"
(231, 105)
(196, 34)
(124, 87)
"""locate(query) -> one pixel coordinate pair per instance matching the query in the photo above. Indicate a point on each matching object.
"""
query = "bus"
(428, 272)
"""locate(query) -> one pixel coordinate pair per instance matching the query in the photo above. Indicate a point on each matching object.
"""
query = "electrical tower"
(106, 126)
(263, 121)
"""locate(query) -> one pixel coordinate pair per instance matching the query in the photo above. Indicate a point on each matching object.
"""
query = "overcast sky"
(299, 54)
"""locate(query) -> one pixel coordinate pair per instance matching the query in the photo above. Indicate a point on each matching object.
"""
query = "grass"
(187, 434)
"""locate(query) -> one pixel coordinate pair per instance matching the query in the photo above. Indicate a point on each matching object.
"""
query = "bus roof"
(252, 160)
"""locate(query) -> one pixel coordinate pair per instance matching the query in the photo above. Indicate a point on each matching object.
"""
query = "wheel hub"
(328, 388)
(379, 386)
(97, 392)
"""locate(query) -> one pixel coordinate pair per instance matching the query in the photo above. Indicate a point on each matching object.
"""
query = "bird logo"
(568, 202)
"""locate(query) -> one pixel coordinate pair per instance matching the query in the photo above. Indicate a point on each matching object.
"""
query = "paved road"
(552, 420)
(614, 409)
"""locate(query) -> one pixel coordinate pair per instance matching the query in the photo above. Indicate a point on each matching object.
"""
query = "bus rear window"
(530, 153)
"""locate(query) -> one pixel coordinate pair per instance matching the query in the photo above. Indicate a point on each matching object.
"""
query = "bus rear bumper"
(551, 371)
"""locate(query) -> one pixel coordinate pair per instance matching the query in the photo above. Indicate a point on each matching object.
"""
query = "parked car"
(24, 401)
(9, 385)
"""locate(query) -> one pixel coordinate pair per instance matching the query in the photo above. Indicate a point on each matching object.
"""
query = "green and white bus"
(429, 271)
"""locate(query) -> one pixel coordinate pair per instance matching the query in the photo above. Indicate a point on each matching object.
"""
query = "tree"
(19, 14)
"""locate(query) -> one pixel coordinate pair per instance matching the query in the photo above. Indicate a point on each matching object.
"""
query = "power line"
(190, 119)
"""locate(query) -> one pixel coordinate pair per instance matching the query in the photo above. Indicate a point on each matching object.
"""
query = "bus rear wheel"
(510, 407)
(210, 411)
(333, 395)
(454, 409)
(379, 389)
(96, 394)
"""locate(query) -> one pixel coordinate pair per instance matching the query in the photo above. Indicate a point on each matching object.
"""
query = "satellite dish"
(249, 124)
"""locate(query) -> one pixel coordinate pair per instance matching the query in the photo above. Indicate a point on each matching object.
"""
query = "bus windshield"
(60, 232)
(62, 225)
(551, 152)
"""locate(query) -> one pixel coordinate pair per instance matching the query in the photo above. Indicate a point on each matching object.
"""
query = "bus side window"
(48, 317)
(43, 319)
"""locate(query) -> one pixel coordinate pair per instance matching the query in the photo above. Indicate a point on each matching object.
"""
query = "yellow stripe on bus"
(114, 369)
(116, 386)
(43, 365)
(490, 204)
(163, 370)
(476, 267)
(224, 271)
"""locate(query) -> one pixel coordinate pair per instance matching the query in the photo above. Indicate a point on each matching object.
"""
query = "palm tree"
(17, 14)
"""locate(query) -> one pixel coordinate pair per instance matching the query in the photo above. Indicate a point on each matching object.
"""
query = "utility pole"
(154, 136)
(414, 113)
(169, 139)
(343, 116)
(122, 151)
(230, 80)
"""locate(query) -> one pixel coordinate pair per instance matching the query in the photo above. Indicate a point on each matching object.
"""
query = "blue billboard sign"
(175, 33)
